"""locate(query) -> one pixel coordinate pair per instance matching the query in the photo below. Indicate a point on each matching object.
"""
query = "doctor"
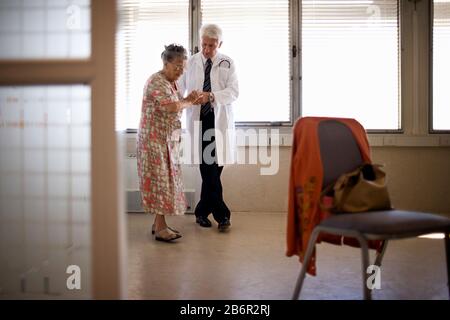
(211, 124)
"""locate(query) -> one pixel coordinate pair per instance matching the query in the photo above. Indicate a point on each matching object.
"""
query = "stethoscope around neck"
(225, 63)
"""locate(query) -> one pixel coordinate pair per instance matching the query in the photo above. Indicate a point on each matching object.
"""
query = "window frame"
(195, 45)
(400, 130)
(431, 130)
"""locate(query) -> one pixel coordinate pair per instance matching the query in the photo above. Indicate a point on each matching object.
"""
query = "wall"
(418, 179)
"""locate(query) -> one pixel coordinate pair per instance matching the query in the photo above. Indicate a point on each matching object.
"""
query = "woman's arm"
(189, 101)
(177, 106)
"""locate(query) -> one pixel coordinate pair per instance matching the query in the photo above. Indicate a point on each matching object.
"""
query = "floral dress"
(158, 150)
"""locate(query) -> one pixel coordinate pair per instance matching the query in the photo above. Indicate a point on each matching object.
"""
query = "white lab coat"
(224, 86)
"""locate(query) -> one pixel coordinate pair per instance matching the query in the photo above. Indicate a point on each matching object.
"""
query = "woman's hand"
(195, 97)
(204, 97)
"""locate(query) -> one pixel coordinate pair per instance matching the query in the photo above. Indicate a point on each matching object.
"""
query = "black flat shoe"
(224, 225)
(203, 222)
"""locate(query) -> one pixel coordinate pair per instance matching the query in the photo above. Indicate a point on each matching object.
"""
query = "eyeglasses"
(178, 67)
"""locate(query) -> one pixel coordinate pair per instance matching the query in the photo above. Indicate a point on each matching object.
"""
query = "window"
(257, 38)
(45, 194)
(45, 29)
(441, 65)
(350, 61)
(55, 120)
(144, 28)
(348, 64)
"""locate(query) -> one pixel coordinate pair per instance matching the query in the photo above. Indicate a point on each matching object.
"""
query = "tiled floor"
(249, 262)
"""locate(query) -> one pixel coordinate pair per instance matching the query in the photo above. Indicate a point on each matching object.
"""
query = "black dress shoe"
(203, 222)
(224, 224)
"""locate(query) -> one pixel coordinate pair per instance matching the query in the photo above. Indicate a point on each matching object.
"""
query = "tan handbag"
(363, 189)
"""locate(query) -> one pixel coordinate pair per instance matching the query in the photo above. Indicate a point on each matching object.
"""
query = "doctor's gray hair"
(172, 52)
(211, 31)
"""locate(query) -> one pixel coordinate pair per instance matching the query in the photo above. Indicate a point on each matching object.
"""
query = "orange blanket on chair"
(305, 185)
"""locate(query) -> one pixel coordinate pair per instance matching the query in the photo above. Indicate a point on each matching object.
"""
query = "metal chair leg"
(309, 251)
(447, 254)
(365, 264)
(381, 254)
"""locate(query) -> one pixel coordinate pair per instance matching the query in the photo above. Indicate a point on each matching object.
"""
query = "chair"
(340, 154)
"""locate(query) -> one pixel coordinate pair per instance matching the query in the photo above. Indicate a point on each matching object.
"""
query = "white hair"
(212, 31)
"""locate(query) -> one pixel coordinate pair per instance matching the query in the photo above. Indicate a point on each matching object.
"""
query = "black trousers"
(211, 197)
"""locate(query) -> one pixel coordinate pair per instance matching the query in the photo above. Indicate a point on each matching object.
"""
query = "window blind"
(144, 28)
(256, 36)
(441, 65)
(350, 61)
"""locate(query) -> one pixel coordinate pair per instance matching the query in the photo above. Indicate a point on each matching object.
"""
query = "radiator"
(134, 201)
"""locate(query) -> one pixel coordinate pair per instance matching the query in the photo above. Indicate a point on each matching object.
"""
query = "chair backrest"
(339, 151)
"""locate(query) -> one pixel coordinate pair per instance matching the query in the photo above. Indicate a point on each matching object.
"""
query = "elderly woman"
(158, 139)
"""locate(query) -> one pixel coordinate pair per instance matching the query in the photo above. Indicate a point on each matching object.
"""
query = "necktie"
(206, 108)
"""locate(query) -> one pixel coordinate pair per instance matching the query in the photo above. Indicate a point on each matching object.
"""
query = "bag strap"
(327, 189)
(323, 193)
